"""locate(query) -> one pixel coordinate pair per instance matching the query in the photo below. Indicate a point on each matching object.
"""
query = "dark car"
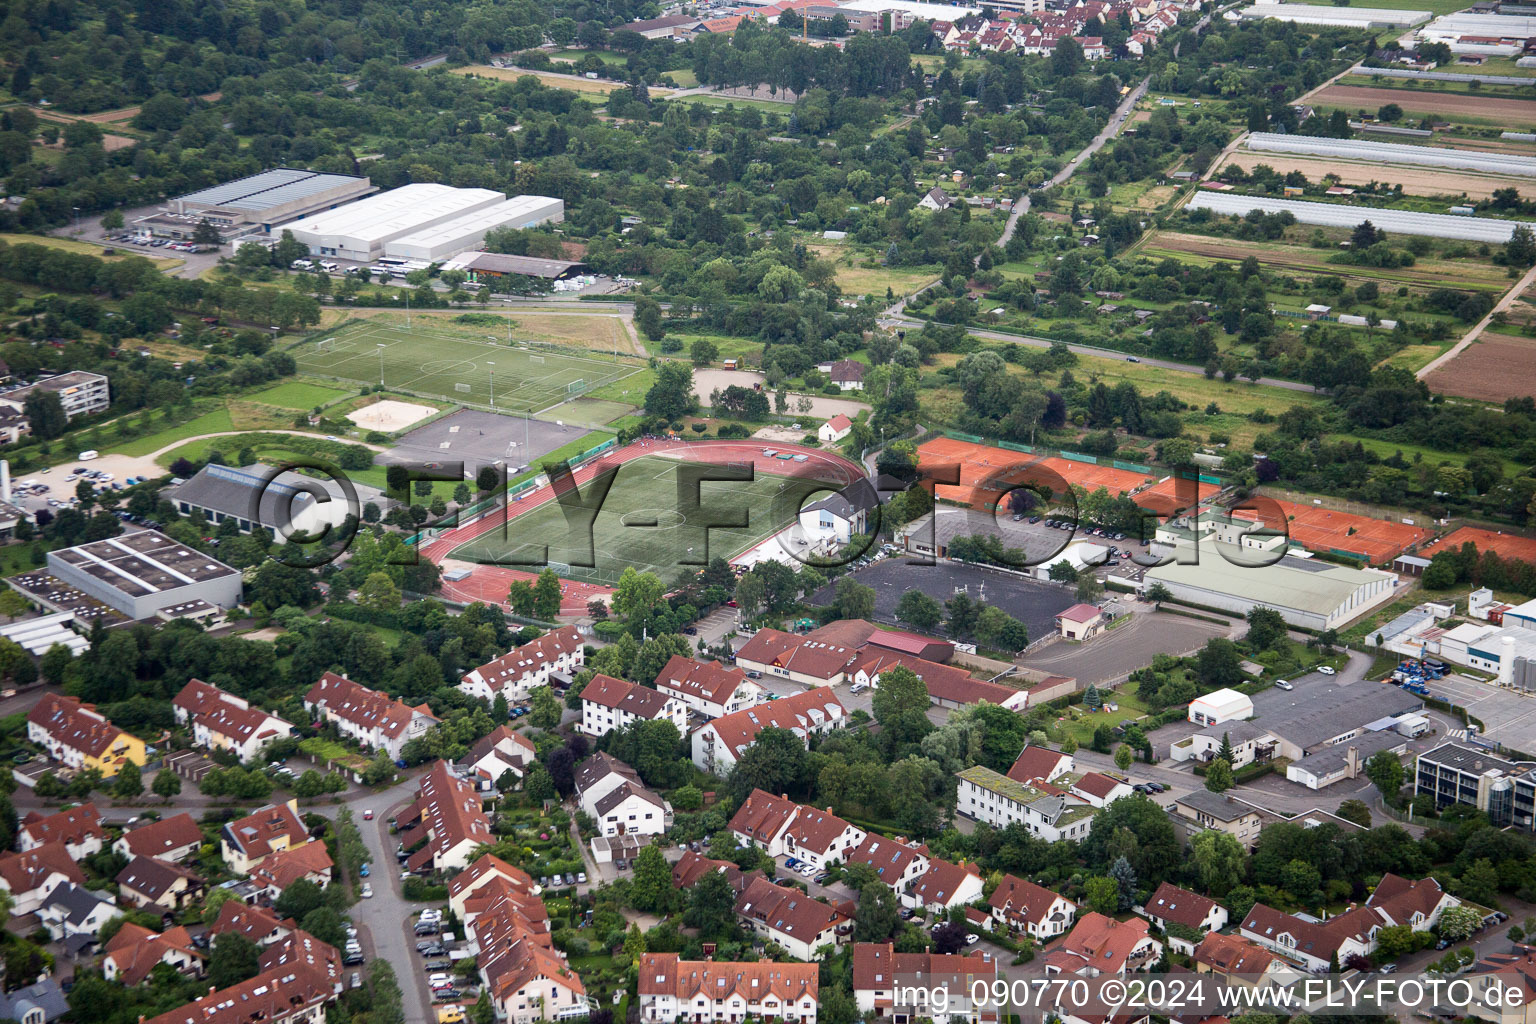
(622, 865)
(435, 949)
(1034, 519)
(436, 965)
(690, 631)
(353, 959)
(907, 913)
(444, 995)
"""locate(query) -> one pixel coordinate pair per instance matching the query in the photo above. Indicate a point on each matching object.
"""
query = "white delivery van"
(89, 454)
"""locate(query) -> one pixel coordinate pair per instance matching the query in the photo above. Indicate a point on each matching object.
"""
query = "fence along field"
(438, 363)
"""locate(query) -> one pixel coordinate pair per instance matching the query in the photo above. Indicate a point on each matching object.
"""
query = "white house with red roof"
(710, 688)
(1040, 764)
(446, 823)
(515, 674)
(763, 821)
(798, 659)
(820, 837)
(1102, 945)
(896, 863)
(1023, 906)
(717, 745)
(1080, 622)
(501, 750)
(32, 877)
(608, 703)
(375, 720)
(944, 886)
(222, 721)
(1173, 905)
(893, 986)
(792, 919)
(723, 992)
(174, 839)
(835, 429)
(78, 828)
(1099, 790)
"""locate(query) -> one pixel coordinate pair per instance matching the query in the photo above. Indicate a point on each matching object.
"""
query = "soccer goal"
(536, 360)
(576, 387)
(461, 388)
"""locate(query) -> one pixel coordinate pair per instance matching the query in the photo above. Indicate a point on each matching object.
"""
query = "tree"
(232, 959)
(1219, 663)
(546, 709)
(1157, 594)
(999, 630)
(546, 596)
(487, 478)
(45, 413)
(1219, 861)
(1266, 628)
(167, 784)
(205, 233)
(879, 915)
(703, 352)
(1459, 922)
(648, 318)
(711, 905)
(853, 599)
(538, 784)
(379, 593)
(651, 889)
(129, 784)
(918, 609)
(775, 763)
(1103, 894)
(1355, 811)
(899, 693)
(1125, 879)
(1385, 772)
(1092, 699)
(1218, 776)
(1089, 589)
(635, 592)
(1124, 755)
(13, 604)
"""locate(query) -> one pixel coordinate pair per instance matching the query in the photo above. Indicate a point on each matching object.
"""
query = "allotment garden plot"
(439, 363)
(642, 522)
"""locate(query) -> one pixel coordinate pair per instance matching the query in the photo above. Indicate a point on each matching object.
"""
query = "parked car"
(367, 892)
(363, 871)
(621, 864)
(1281, 684)
(352, 959)
(368, 815)
(581, 878)
(972, 939)
(423, 946)
(443, 995)
(437, 965)
(1326, 670)
(433, 949)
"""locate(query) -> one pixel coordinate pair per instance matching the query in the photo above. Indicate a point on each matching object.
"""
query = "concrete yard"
(1509, 716)
(481, 438)
(1109, 657)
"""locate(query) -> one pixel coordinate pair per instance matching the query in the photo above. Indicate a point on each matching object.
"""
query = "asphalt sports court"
(643, 522)
(482, 438)
(423, 360)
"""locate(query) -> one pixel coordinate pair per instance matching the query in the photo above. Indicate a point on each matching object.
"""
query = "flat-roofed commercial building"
(141, 573)
(451, 237)
(258, 202)
(360, 231)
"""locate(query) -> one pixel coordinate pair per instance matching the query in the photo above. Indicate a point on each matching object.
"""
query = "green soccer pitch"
(434, 363)
(644, 491)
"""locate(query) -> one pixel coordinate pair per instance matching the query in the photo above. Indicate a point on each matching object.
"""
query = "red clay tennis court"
(1508, 545)
(1324, 529)
(983, 475)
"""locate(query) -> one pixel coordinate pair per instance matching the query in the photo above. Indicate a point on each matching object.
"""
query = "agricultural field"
(1510, 114)
(1446, 182)
(1491, 369)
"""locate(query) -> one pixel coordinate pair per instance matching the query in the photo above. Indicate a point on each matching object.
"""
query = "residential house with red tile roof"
(375, 720)
(717, 745)
(1187, 911)
(796, 658)
(78, 828)
(900, 986)
(834, 430)
(820, 837)
(1413, 903)
(691, 868)
(32, 877)
(299, 950)
(1023, 906)
(502, 750)
(792, 919)
(285, 995)
(525, 980)
(79, 737)
(708, 687)
(515, 674)
(944, 886)
(174, 839)
(259, 924)
(445, 825)
(1102, 945)
(160, 885)
(479, 874)
(507, 906)
(896, 863)
(311, 862)
(1242, 961)
(723, 992)
(222, 721)
(763, 820)
(1098, 789)
(248, 841)
(135, 951)
(948, 685)
(1040, 764)
(608, 703)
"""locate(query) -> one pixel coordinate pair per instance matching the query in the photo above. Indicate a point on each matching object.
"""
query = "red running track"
(490, 583)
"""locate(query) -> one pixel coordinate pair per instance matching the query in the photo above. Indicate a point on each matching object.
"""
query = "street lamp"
(381, 364)
(77, 218)
(493, 381)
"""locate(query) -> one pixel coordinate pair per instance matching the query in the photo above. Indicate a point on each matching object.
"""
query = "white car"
(1281, 684)
(434, 979)
(1326, 670)
(367, 892)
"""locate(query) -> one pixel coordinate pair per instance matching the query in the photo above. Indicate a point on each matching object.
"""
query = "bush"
(424, 891)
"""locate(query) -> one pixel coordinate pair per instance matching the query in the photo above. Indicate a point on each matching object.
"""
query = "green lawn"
(324, 749)
(569, 450)
(299, 396)
(209, 423)
(1085, 722)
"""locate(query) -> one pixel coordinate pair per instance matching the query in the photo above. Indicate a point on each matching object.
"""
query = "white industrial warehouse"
(1335, 17)
(1487, 34)
(1444, 76)
(1334, 215)
(1394, 153)
(419, 221)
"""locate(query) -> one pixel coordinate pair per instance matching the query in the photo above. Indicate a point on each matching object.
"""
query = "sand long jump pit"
(390, 415)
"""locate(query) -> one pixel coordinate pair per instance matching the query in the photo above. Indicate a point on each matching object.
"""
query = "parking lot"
(1508, 716)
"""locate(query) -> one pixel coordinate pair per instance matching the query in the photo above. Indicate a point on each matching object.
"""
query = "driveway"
(1112, 656)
